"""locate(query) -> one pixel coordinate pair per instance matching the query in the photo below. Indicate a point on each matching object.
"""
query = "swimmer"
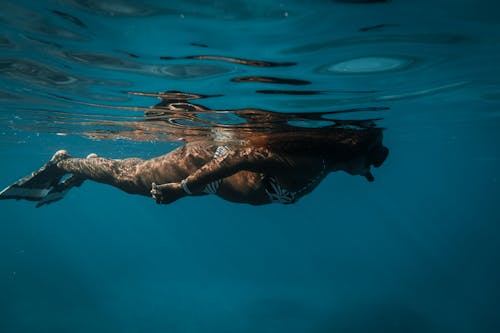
(277, 165)
(282, 168)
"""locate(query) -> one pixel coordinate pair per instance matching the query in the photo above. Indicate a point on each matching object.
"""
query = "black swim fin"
(58, 191)
(42, 184)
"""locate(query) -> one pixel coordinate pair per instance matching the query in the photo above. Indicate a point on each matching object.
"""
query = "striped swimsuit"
(274, 190)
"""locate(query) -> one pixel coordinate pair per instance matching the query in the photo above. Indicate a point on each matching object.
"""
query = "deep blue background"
(415, 251)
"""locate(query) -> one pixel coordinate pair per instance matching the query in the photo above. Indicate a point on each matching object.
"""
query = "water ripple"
(444, 39)
(270, 79)
(175, 118)
(37, 81)
(115, 7)
(70, 18)
(5, 42)
(110, 62)
(240, 61)
(233, 10)
(87, 54)
(30, 22)
(33, 72)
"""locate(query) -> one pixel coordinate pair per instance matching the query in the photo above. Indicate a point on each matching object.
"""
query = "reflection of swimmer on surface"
(257, 165)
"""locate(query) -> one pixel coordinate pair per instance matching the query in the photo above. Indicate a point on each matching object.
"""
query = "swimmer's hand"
(166, 193)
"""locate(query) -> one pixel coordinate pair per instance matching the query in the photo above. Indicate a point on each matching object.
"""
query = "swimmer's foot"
(59, 190)
(166, 193)
(43, 185)
(38, 184)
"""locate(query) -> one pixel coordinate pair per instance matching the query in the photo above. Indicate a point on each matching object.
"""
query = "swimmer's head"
(377, 156)
(360, 165)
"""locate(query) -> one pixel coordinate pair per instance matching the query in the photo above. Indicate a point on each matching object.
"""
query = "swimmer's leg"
(45, 186)
(118, 173)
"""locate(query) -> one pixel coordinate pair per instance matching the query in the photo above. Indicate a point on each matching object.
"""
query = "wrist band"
(185, 187)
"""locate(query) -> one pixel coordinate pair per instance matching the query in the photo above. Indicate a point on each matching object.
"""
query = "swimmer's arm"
(249, 159)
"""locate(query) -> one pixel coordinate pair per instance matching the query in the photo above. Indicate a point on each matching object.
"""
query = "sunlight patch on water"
(371, 64)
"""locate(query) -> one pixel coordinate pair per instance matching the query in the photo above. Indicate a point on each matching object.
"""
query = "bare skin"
(195, 164)
(243, 171)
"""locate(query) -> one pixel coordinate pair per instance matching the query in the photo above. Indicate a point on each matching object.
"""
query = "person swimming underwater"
(260, 167)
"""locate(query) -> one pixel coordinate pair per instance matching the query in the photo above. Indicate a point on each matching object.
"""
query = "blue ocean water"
(415, 251)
